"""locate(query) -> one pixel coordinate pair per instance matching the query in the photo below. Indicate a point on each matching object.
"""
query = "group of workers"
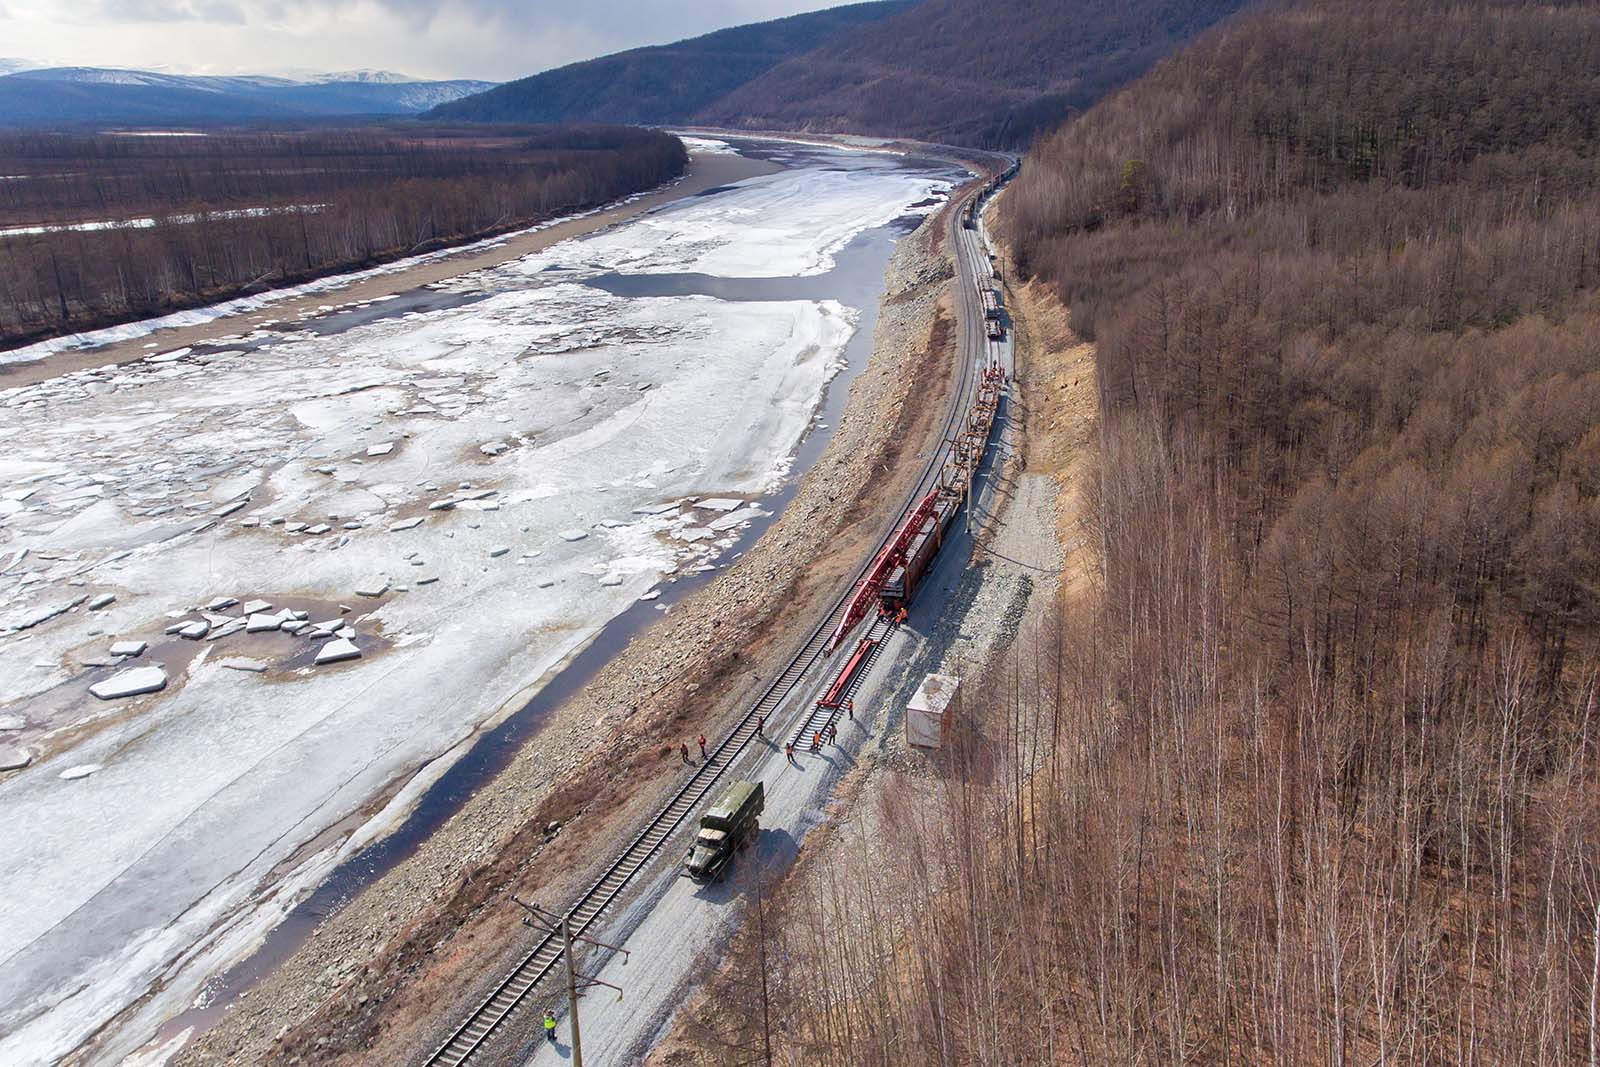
(830, 731)
(683, 749)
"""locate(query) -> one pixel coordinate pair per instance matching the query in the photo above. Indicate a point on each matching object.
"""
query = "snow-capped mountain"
(33, 95)
(365, 77)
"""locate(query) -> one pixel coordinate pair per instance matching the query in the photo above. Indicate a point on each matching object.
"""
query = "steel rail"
(532, 968)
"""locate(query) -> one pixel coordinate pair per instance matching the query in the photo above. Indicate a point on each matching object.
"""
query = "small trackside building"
(930, 710)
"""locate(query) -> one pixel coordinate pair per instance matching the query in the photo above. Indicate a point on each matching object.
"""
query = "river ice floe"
(788, 225)
(310, 543)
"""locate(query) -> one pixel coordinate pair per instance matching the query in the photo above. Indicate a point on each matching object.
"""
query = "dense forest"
(177, 221)
(1313, 778)
(989, 73)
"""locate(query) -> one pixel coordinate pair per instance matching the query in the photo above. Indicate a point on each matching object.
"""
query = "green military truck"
(727, 826)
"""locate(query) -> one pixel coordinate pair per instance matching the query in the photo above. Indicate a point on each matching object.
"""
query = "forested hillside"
(982, 72)
(1340, 264)
(97, 229)
(665, 83)
(1312, 776)
(979, 72)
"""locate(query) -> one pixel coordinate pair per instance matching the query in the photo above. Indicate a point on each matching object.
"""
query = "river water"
(786, 270)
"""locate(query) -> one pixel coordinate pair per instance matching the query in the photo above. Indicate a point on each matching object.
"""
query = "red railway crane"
(893, 554)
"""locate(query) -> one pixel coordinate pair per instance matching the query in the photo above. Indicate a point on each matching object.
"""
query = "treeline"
(990, 73)
(1314, 779)
(228, 213)
(978, 72)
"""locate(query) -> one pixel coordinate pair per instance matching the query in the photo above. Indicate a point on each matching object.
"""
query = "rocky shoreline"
(381, 976)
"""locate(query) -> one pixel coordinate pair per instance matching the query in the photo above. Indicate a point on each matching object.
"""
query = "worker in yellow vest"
(550, 1025)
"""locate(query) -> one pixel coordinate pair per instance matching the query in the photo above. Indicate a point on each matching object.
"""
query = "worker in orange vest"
(702, 746)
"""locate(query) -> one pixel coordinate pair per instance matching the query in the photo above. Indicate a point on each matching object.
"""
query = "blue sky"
(492, 39)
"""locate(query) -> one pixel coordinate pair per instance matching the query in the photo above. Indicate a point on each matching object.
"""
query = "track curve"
(511, 992)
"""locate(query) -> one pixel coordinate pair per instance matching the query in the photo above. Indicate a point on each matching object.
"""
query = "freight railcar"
(904, 580)
(994, 325)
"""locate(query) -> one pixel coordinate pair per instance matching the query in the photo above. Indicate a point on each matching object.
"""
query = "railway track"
(511, 992)
(821, 716)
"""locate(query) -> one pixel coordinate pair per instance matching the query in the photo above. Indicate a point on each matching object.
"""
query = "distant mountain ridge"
(981, 72)
(31, 96)
(669, 83)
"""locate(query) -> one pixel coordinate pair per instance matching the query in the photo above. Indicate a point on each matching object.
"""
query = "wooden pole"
(761, 936)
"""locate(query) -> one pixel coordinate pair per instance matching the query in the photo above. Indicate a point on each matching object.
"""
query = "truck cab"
(726, 827)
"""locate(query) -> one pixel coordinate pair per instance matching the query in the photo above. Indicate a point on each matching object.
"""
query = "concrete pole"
(572, 993)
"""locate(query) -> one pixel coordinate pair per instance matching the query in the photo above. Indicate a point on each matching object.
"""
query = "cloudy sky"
(494, 39)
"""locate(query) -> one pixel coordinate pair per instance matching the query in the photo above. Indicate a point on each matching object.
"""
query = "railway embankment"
(1033, 557)
(381, 980)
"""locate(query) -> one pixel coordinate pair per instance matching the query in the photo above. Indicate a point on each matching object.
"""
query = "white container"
(929, 711)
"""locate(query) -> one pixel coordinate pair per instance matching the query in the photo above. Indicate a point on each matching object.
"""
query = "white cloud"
(495, 39)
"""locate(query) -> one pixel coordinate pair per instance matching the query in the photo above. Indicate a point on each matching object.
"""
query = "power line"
(551, 923)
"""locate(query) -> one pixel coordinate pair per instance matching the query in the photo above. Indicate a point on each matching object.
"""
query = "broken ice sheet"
(734, 387)
(134, 682)
(336, 651)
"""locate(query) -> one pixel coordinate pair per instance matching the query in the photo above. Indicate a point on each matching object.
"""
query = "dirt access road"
(672, 926)
(856, 880)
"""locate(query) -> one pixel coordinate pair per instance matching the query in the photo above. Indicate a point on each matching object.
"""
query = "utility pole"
(558, 925)
(572, 991)
(761, 936)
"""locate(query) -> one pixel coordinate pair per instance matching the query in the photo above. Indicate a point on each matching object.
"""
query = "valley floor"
(466, 489)
(708, 169)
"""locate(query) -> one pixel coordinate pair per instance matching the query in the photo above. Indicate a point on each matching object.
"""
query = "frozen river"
(467, 485)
